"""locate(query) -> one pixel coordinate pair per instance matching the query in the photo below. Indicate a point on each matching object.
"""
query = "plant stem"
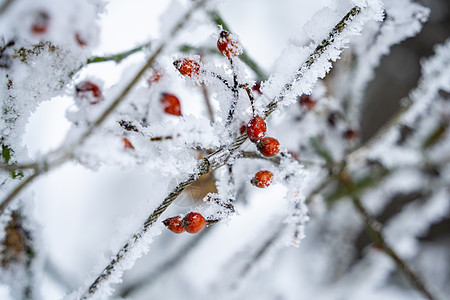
(375, 232)
(5, 6)
(21, 186)
(119, 56)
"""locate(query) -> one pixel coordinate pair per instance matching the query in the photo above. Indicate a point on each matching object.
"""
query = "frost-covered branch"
(211, 162)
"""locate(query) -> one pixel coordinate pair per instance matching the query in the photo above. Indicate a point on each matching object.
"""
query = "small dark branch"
(375, 231)
(163, 138)
(235, 99)
(224, 81)
(256, 155)
(23, 184)
(128, 126)
(119, 56)
(250, 96)
(208, 102)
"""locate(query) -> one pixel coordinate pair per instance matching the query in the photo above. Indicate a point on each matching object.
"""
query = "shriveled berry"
(307, 102)
(187, 66)
(256, 129)
(87, 90)
(174, 224)
(171, 104)
(193, 222)
(154, 77)
(268, 146)
(262, 179)
(127, 144)
(41, 23)
(228, 44)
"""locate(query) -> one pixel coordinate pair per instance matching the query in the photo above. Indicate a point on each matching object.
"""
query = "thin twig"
(207, 102)
(5, 6)
(235, 99)
(118, 57)
(21, 186)
(375, 231)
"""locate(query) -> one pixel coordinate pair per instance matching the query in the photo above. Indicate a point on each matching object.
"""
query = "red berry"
(256, 129)
(228, 45)
(171, 104)
(41, 23)
(350, 134)
(262, 179)
(174, 224)
(89, 91)
(268, 146)
(307, 102)
(80, 40)
(127, 144)
(193, 222)
(187, 66)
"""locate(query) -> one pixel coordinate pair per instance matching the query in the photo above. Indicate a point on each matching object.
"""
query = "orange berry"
(228, 45)
(187, 66)
(193, 222)
(268, 146)
(171, 104)
(262, 179)
(174, 224)
(256, 129)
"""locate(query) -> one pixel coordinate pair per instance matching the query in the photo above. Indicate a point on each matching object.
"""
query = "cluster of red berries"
(193, 222)
(267, 146)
